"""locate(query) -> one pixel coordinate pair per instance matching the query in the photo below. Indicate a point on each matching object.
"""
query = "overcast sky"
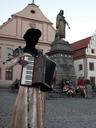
(80, 14)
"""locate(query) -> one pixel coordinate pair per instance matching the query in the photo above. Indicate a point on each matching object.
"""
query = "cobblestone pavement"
(7, 100)
(60, 112)
(71, 113)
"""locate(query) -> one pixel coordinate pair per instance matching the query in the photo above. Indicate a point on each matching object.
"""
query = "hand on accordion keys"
(23, 62)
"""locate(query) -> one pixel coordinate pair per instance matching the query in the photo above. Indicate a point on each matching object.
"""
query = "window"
(91, 66)
(9, 74)
(92, 51)
(80, 67)
(32, 11)
(0, 73)
(92, 80)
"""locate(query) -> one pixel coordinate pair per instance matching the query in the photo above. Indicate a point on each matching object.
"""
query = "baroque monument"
(62, 53)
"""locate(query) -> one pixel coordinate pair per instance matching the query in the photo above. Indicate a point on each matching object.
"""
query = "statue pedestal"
(62, 54)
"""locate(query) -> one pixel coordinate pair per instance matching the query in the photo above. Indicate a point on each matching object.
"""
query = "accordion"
(38, 72)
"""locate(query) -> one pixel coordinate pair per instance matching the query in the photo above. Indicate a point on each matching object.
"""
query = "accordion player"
(38, 72)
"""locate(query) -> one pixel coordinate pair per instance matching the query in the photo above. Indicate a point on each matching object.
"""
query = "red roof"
(78, 47)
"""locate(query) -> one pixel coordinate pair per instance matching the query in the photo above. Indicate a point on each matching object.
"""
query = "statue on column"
(61, 25)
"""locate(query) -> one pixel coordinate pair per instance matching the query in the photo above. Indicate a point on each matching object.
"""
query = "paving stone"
(60, 113)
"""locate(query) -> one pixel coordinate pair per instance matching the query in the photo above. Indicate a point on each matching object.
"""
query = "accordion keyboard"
(27, 71)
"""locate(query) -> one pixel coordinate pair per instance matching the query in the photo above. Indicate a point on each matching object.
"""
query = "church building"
(11, 37)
